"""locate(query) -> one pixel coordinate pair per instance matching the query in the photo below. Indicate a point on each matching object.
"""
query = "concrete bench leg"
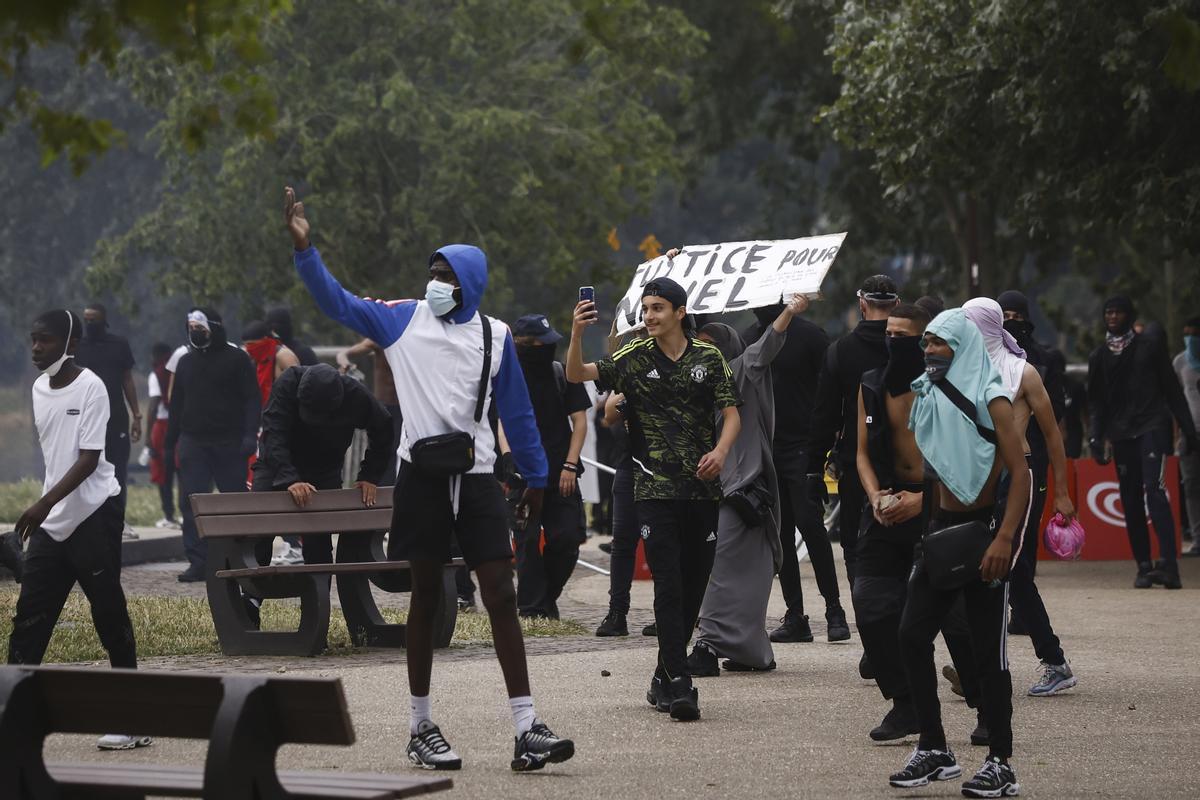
(237, 634)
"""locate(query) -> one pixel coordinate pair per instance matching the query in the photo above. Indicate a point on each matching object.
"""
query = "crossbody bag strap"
(487, 367)
(967, 407)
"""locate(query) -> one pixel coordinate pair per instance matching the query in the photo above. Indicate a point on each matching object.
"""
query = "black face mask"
(199, 338)
(535, 354)
(94, 330)
(937, 367)
(906, 362)
(1021, 330)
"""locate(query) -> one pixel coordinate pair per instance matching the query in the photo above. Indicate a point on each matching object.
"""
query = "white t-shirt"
(156, 391)
(68, 420)
(173, 361)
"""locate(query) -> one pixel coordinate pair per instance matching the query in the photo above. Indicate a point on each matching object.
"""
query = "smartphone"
(587, 294)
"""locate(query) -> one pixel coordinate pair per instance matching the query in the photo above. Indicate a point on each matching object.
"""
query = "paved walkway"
(1130, 729)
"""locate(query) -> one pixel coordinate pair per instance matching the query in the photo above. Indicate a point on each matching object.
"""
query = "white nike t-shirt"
(173, 361)
(68, 420)
(155, 390)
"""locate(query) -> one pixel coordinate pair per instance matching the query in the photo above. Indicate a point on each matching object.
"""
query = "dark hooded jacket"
(1135, 392)
(836, 412)
(308, 424)
(215, 399)
(793, 376)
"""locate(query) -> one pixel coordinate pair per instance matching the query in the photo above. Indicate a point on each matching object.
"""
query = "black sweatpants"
(885, 557)
(317, 547)
(116, 452)
(624, 541)
(1023, 594)
(986, 610)
(202, 464)
(851, 499)
(543, 572)
(800, 508)
(90, 556)
(680, 537)
(1140, 470)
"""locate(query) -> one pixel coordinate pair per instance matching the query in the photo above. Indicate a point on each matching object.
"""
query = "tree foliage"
(509, 124)
(104, 31)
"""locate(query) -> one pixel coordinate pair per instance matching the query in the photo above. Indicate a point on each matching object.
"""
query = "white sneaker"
(288, 556)
(167, 523)
(117, 741)
(128, 533)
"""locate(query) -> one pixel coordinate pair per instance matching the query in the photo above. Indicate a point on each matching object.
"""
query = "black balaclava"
(727, 340)
(280, 320)
(1021, 329)
(536, 357)
(319, 394)
(1121, 303)
(906, 363)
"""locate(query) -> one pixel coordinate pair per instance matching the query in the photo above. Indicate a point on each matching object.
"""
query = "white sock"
(418, 708)
(523, 714)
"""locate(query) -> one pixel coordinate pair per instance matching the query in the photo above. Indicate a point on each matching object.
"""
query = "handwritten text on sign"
(733, 276)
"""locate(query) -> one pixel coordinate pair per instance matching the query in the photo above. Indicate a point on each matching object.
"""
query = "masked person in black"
(109, 356)
(280, 320)
(890, 469)
(213, 424)
(836, 415)
(1132, 393)
(801, 486)
(560, 409)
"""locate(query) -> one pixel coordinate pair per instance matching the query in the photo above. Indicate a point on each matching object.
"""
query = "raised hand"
(293, 214)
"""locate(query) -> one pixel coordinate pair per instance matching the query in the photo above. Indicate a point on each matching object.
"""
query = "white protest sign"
(733, 276)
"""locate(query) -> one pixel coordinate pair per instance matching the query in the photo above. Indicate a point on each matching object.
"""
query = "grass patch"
(182, 626)
(142, 507)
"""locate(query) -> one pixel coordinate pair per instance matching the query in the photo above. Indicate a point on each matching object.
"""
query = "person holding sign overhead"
(675, 387)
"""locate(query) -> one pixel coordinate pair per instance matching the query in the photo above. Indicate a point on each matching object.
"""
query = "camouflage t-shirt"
(671, 413)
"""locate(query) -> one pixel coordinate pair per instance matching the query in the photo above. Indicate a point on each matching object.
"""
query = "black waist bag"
(753, 504)
(454, 453)
(953, 555)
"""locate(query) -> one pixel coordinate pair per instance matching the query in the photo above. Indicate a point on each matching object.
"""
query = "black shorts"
(422, 514)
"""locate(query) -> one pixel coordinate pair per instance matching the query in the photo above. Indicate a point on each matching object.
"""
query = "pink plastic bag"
(1065, 540)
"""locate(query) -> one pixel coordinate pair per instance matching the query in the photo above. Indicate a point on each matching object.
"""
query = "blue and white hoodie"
(436, 361)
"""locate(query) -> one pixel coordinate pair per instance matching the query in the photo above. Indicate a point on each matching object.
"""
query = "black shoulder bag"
(952, 555)
(454, 453)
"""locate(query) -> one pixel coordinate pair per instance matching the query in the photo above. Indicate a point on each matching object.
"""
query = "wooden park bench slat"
(339, 568)
(282, 503)
(296, 522)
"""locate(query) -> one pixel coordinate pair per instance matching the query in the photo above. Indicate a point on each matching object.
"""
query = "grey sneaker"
(538, 747)
(1055, 678)
(428, 749)
(117, 741)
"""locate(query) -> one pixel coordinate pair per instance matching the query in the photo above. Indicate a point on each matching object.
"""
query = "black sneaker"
(864, 668)
(466, 603)
(685, 699)
(794, 629)
(924, 766)
(994, 779)
(1145, 577)
(981, 736)
(729, 665)
(657, 694)
(901, 721)
(838, 630)
(606, 547)
(613, 625)
(702, 663)
(1170, 573)
(538, 747)
(428, 749)
(650, 630)
(190, 575)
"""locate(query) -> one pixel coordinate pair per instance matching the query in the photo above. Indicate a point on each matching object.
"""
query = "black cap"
(320, 393)
(668, 290)
(1121, 303)
(879, 289)
(538, 327)
(1012, 300)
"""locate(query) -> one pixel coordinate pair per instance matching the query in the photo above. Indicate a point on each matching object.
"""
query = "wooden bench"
(233, 523)
(244, 718)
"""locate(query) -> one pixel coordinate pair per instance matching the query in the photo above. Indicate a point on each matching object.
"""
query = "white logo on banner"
(1102, 499)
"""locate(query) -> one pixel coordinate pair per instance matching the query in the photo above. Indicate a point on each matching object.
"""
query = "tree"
(508, 124)
(104, 32)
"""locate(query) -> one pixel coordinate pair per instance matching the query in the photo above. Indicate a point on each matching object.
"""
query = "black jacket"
(793, 374)
(1134, 392)
(1039, 358)
(294, 450)
(879, 435)
(215, 398)
(836, 412)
